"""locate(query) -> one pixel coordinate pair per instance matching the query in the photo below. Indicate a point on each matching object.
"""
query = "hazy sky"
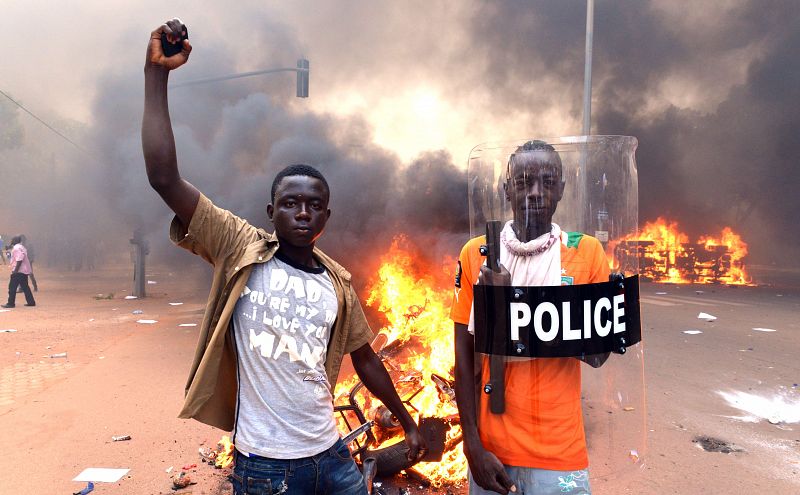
(400, 92)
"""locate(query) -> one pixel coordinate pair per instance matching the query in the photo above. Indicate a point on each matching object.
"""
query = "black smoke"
(735, 163)
(729, 162)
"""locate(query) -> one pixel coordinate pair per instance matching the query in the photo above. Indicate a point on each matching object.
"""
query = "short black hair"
(298, 169)
(533, 145)
(16, 240)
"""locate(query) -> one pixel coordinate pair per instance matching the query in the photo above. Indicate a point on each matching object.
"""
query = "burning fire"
(222, 456)
(415, 301)
(665, 254)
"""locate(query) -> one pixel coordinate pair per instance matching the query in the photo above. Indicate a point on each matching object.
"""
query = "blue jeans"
(532, 481)
(331, 472)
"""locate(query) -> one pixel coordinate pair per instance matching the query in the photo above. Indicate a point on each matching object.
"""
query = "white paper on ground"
(147, 321)
(175, 304)
(8, 330)
(105, 475)
(4, 310)
(661, 293)
(188, 325)
(131, 297)
(692, 332)
(151, 282)
(706, 316)
(759, 329)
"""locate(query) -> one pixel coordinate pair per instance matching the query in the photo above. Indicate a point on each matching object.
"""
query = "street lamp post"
(587, 71)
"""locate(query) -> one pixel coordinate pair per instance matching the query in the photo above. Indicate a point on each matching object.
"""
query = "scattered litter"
(182, 480)
(91, 319)
(746, 350)
(99, 297)
(168, 470)
(779, 295)
(120, 438)
(692, 332)
(759, 329)
(101, 357)
(4, 310)
(208, 454)
(147, 322)
(151, 282)
(699, 291)
(114, 309)
(105, 475)
(137, 312)
(188, 325)
(131, 297)
(634, 455)
(661, 293)
(49, 347)
(86, 490)
(189, 466)
(175, 304)
(628, 408)
(60, 355)
(8, 330)
(706, 316)
(221, 457)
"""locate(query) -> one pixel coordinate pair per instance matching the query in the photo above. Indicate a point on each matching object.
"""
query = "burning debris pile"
(222, 456)
(665, 254)
(416, 347)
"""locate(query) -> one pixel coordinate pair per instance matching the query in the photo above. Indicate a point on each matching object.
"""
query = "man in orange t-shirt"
(538, 443)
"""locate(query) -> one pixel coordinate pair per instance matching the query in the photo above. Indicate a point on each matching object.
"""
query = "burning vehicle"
(665, 254)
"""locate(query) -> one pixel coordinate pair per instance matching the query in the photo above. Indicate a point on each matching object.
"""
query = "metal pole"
(238, 76)
(587, 73)
(140, 251)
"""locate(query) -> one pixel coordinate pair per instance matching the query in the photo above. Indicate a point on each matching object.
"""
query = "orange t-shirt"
(542, 426)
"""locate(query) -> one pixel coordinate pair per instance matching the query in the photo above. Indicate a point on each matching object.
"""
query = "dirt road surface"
(120, 377)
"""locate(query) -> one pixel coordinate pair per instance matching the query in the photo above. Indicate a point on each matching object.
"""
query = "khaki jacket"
(234, 246)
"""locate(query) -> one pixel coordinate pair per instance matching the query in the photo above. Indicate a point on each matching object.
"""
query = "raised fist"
(173, 29)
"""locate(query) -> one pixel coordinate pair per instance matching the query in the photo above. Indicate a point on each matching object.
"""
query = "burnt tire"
(391, 460)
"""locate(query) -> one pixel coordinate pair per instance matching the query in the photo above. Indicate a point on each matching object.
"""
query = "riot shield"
(555, 315)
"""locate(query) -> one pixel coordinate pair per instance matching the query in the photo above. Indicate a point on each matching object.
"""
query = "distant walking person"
(20, 270)
(31, 258)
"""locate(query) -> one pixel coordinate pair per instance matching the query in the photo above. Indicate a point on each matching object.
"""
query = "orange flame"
(665, 254)
(415, 301)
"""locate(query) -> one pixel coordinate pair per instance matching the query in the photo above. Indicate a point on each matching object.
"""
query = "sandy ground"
(57, 415)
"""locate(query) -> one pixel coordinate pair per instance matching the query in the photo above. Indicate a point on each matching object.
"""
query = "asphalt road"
(57, 415)
(688, 373)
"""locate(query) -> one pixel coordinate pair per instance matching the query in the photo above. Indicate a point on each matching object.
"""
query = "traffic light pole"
(302, 71)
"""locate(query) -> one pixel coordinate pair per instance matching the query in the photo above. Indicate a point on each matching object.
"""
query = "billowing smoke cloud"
(710, 91)
(723, 153)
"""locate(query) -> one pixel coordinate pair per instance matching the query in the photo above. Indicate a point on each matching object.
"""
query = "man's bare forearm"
(371, 371)
(465, 385)
(158, 141)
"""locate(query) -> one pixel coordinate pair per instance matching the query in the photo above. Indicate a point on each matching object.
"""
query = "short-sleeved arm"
(17, 254)
(600, 269)
(466, 275)
(360, 332)
(213, 232)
